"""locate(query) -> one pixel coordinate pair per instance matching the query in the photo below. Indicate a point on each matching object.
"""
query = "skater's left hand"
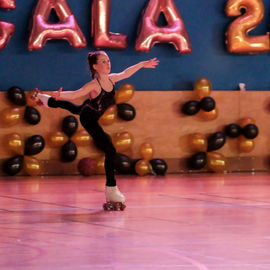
(152, 63)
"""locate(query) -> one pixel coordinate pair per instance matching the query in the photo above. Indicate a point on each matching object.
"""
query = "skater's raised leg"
(49, 101)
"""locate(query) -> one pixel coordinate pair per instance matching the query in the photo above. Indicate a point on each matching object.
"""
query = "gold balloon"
(216, 162)
(31, 166)
(246, 121)
(124, 93)
(142, 167)
(11, 116)
(81, 138)
(197, 142)
(147, 151)
(57, 139)
(109, 116)
(208, 116)
(122, 141)
(245, 145)
(14, 143)
(202, 88)
(100, 165)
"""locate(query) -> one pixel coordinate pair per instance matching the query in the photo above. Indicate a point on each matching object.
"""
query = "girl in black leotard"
(100, 95)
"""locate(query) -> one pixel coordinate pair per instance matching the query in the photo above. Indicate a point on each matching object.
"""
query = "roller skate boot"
(114, 199)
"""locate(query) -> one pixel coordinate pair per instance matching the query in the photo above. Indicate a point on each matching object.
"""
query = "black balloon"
(197, 161)
(233, 130)
(13, 165)
(31, 115)
(69, 151)
(207, 104)
(122, 164)
(16, 95)
(159, 166)
(126, 111)
(191, 107)
(34, 145)
(250, 131)
(70, 125)
(216, 141)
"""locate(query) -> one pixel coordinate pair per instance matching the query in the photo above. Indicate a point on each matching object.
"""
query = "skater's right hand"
(56, 94)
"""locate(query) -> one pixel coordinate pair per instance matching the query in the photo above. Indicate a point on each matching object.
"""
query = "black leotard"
(100, 103)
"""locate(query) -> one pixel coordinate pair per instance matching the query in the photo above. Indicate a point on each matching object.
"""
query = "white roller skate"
(114, 199)
(39, 98)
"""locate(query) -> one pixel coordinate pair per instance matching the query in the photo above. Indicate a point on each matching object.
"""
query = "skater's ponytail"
(92, 60)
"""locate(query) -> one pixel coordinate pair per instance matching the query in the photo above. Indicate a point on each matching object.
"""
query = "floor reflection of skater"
(100, 93)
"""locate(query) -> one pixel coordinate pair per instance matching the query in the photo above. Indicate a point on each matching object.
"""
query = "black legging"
(89, 120)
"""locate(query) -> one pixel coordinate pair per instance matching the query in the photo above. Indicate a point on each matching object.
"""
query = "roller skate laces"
(114, 199)
(34, 97)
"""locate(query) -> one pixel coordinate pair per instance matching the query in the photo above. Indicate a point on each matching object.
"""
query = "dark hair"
(92, 60)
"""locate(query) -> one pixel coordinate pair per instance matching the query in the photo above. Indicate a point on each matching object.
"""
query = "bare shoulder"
(114, 77)
(90, 86)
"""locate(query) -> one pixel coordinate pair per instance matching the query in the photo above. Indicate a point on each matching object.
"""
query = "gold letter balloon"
(150, 33)
(238, 40)
(101, 10)
(67, 28)
(7, 4)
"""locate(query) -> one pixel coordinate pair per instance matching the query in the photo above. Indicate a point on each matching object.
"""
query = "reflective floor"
(204, 222)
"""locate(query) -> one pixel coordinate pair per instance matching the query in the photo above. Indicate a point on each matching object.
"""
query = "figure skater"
(100, 93)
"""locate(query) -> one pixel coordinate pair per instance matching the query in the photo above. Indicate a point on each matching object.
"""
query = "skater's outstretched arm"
(115, 77)
(71, 95)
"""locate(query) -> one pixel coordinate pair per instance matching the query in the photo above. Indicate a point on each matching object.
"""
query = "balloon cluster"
(12, 115)
(125, 165)
(205, 104)
(147, 164)
(68, 138)
(142, 166)
(124, 93)
(245, 131)
(23, 154)
(204, 156)
(122, 109)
